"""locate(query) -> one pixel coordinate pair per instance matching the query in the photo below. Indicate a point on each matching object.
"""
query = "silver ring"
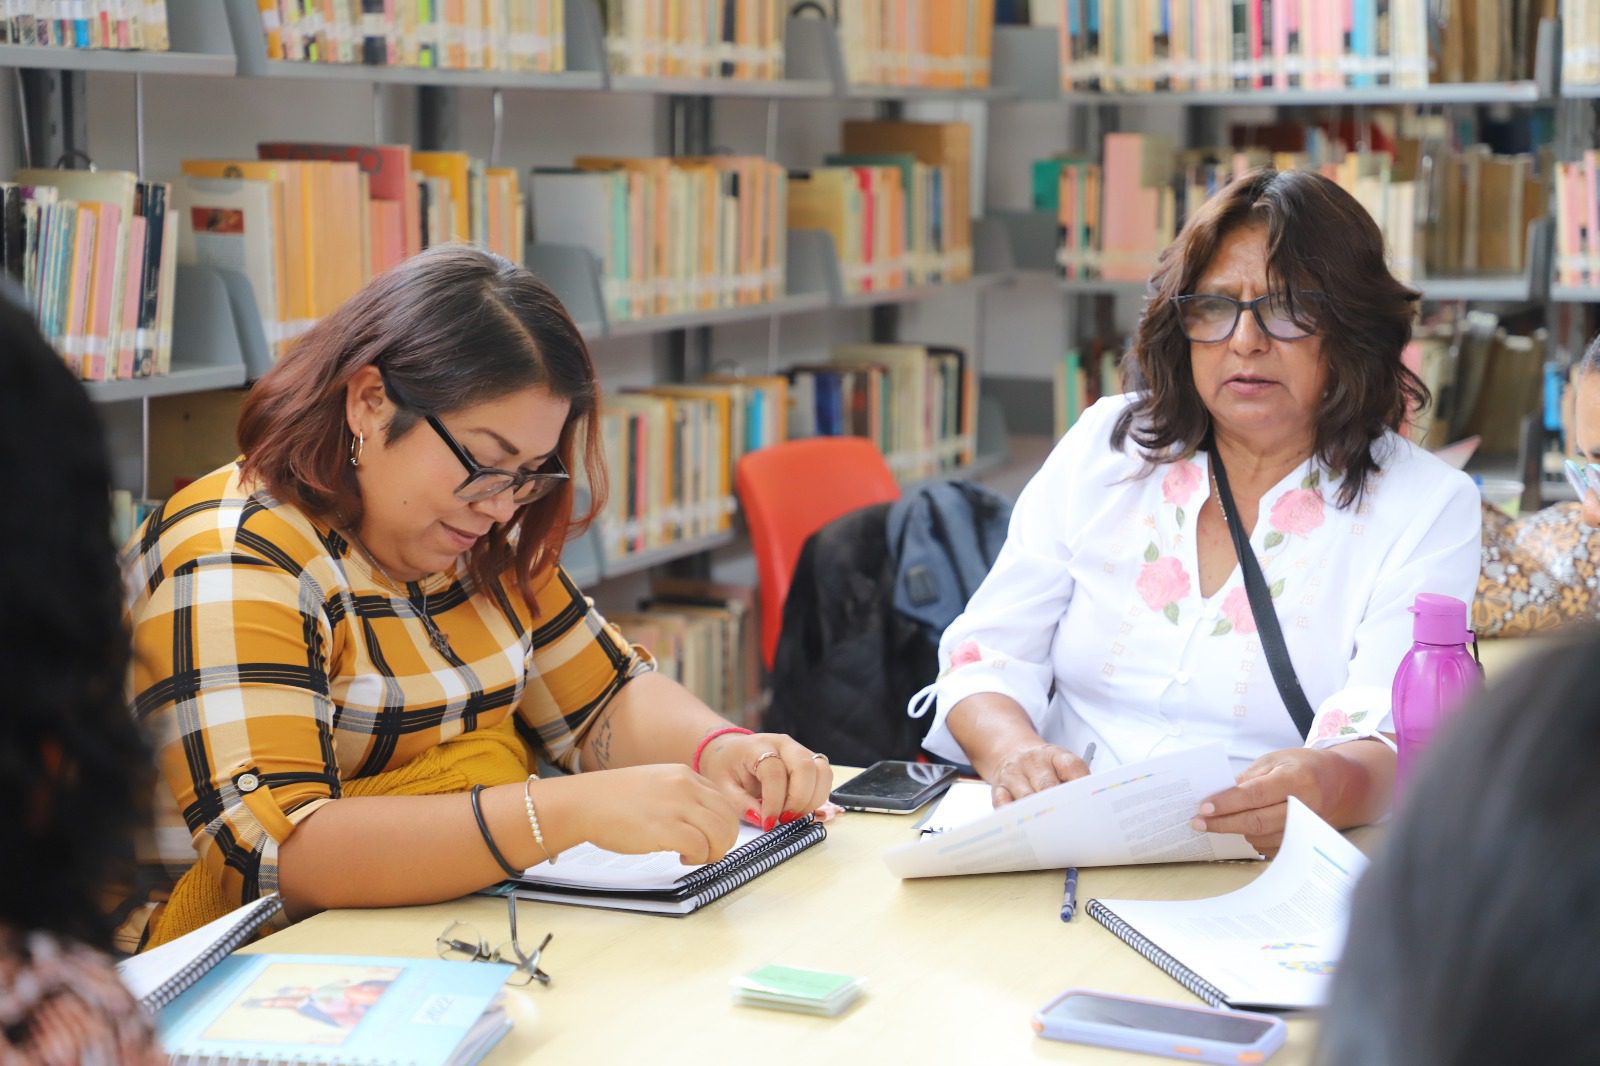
(821, 756)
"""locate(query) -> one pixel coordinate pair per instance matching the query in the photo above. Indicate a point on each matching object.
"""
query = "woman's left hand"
(1258, 806)
(777, 779)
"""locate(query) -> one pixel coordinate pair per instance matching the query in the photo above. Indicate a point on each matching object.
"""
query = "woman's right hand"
(1034, 768)
(657, 807)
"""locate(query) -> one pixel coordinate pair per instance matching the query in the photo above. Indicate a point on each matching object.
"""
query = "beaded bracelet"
(483, 827)
(694, 764)
(533, 817)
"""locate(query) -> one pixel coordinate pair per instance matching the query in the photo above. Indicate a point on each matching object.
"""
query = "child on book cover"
(300, 1003)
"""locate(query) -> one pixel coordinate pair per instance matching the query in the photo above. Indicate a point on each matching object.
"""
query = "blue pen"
(1069, 896)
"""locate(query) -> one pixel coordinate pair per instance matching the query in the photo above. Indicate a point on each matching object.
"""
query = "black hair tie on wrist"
(483, 827)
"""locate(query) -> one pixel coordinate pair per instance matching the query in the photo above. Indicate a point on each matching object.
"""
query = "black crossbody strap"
(1266, 616)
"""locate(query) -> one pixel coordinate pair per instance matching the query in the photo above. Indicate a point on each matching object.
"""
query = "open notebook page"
(586, 866)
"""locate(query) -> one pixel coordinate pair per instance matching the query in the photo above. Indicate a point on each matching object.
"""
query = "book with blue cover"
(337, 1009)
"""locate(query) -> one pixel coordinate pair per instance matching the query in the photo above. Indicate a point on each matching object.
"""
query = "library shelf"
(1513, 92)
(1575, 294)
(756, 88)
(590, 80)
(784, 305)
(114, 62)
(179, 381)
(666, 553)
(915, 293)
(993, 93)
(1103, 286)
(1514, 288)
(1581, 91)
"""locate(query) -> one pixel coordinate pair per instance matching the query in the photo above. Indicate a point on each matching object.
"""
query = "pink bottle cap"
(1439, 620)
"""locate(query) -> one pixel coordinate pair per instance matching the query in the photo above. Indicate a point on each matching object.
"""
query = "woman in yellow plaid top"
(378, 578)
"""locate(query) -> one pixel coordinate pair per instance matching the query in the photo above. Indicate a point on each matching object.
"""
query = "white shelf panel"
(633, 564)
(787, 305)
(1512, 92)
(919, 92)
(192, 379)
(788, 88)
(1580, 92)
(462, 79)
(1102, 287)
(114, 62)
(1517, 287)
(917, 292)
(1575, 294)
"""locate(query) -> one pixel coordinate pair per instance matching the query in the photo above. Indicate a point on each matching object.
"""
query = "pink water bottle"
(1436, 675)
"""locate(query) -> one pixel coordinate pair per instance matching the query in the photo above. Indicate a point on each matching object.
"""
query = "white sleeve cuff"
(976, 669)
(1354, 713)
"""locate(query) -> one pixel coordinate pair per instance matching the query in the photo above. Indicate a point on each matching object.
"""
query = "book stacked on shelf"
(1578, 221)
(671, 234)
(310, 224)
(740, 39)
(922, 43)
(125, 25)
(1580, 43)
(917, 403)
(1443, 211)
(95, 251)
(1220, 45)
(706, 636)
(523, 36)
(896, 202)
(1083, 375)
(671, 451)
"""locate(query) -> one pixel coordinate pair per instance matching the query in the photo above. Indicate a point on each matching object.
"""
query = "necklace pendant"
(441, 643)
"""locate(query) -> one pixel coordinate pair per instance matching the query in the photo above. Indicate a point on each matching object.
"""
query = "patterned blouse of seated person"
(74, 776)
(1541, 571)
(352, 644)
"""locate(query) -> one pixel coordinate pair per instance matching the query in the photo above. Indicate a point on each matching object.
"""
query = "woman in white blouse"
(1116, 614)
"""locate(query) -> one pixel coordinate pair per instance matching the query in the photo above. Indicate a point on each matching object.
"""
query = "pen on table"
(1069, 896)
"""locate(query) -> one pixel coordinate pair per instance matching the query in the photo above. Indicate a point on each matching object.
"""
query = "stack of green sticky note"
(806, 991)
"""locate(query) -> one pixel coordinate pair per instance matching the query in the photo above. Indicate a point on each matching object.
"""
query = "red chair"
(788, 492)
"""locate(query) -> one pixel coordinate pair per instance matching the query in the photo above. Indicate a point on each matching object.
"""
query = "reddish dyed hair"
(1319, 240)
(452, 327)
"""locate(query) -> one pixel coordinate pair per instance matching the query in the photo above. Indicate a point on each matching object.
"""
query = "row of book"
(896, 202)
(926, 43)
(1578, 220)
(95, 252)
(1485, 377)
(671, 234)
(671, 451)
(310, 224)
(695, 38)
(917, 403)
(1218, 45)
(512, 35)
(706, 635)
(1580, 42)
(1082, 375)
(129, 25)
(1443, 211)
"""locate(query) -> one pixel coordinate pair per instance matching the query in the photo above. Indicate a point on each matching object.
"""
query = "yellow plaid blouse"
(271, 664)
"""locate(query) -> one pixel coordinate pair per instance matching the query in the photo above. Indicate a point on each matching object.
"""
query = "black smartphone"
(893, 787)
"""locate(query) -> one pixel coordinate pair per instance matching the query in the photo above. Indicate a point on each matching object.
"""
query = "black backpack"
(871, 595)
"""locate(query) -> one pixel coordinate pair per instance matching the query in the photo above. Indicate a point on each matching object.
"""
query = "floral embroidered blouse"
(1092, 617)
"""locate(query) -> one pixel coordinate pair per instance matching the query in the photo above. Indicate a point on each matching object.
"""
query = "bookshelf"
(199, 41)
(1575, 294)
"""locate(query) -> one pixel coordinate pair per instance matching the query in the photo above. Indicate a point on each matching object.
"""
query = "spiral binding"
(814, 834)
(754, 852)
(1165, 962)
(184, 979)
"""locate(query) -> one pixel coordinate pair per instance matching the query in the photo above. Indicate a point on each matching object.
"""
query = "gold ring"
(763, 757)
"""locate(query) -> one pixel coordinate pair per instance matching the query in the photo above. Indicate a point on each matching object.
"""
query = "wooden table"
(955, 967)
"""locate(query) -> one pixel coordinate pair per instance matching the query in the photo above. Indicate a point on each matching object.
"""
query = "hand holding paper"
(1132, 814)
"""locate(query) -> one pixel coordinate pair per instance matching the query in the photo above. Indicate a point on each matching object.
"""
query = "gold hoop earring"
(358, 444)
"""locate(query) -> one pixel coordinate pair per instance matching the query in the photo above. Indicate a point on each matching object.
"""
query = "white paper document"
(1274, 942)
(1137, 813)
(587, 866)
(962, 802)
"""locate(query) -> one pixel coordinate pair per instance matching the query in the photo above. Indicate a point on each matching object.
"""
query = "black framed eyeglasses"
(1209, 318)
(486, 482)
(461, 942)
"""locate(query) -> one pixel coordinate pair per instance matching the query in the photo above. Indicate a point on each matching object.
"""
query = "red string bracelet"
(708, 738)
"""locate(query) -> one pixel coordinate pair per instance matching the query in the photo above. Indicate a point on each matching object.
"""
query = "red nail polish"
(786, 818)
(770, 822)
(753, 816)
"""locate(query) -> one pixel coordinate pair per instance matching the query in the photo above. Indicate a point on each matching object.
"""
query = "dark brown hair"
(453, 327)
(1319, 239)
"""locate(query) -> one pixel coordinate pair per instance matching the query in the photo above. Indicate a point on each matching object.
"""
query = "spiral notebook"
(161, 975)
(657, 882)
(1273, 944)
